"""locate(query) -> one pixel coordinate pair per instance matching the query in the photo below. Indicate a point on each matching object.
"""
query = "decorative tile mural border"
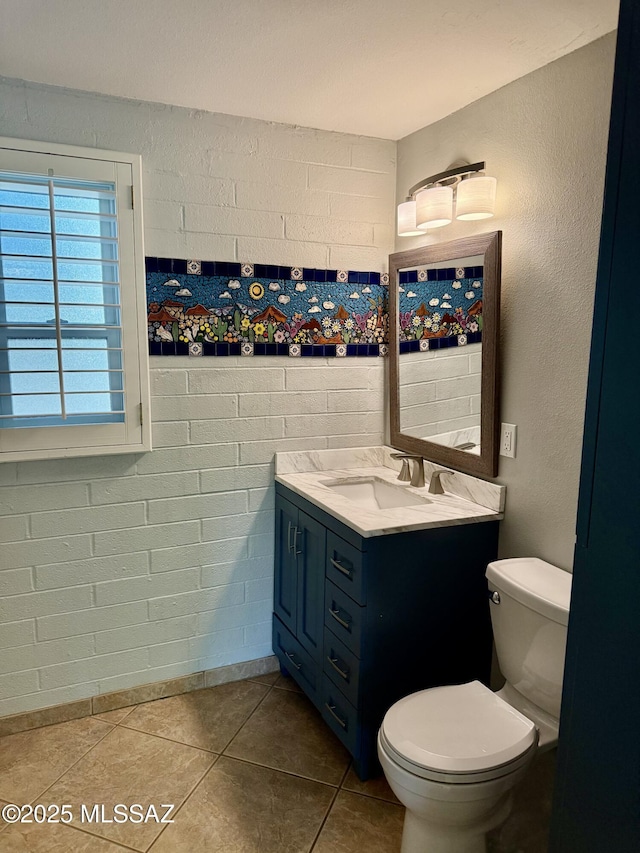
(204, 308)
(440, 308)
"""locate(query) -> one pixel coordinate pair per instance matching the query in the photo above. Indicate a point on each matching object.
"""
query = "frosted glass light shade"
(475, 198)
(434, 207)
(407, 219)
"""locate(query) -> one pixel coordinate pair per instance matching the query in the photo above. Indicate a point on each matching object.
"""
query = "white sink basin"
(372, 493)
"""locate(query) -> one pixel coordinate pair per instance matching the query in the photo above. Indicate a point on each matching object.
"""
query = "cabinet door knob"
(339, 619)
(338, 565)
(291, 658)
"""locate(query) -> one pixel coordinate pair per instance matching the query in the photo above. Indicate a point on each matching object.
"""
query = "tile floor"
(250, 767)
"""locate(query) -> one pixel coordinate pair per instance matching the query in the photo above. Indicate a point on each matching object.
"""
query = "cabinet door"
(310, 548)
(285, 585)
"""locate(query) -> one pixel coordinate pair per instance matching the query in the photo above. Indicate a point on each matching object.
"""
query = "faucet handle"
(435, 486)
(417, 479)
(405, 474)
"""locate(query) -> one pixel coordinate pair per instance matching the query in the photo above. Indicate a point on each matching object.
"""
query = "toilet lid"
(461, 729)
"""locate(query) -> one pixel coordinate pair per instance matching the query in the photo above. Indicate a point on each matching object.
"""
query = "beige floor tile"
(356, 824)
(31, 761)
(52, 838)
(207, 718)
(287, 683)
(267, 678)
(132, 767)
(377, 787)
(3, 825)
(241, 808)
(287, 733)
(116, 716)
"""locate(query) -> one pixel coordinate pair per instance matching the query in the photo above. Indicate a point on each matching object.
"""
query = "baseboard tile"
(135, 695)
(45, 717)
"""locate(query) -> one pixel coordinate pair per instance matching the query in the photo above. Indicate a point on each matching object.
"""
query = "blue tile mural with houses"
(440, 307)
(221, 308)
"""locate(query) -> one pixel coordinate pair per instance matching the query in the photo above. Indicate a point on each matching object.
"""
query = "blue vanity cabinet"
(361, 622)
(299, 576)
(286, 573)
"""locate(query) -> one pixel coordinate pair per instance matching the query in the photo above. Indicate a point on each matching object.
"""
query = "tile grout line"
(279, 770)
(185, 801)
(84, 754)
(130, 728)
(370, 796)
(328, 812)
(102, 720)
(270, 688)
(255, 763)
(363, 793)
(216, 756)
(231, 739)
(168, 739)
(104, 838)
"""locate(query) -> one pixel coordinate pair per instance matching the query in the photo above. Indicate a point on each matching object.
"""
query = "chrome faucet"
(435, 486)
(417, 475)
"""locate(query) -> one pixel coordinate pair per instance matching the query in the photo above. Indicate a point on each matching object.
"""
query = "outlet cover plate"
(508, 440)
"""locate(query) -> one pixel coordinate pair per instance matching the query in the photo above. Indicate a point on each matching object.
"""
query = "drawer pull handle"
(340, 567)
(295, 541)
(332, 710)
(334, 664)
(339, 619)
(298, 666)
(289, 545)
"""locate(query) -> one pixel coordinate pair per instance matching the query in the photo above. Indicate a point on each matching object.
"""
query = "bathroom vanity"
(379, 586)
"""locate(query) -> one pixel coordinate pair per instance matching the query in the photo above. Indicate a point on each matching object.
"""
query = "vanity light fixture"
(429, 203)
(434, 207)
(407, 219)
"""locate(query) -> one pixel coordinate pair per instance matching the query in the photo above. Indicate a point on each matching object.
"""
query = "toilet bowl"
(452, 755)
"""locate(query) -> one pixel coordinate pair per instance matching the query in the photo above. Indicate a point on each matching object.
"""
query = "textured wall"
(544, 137)
(118, 571)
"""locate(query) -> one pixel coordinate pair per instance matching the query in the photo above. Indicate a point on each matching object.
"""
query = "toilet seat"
(462, 733)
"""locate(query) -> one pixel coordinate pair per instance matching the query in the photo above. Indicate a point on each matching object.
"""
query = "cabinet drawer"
(295, 659)
(340, 714)
(344, 617)
(345, 567)
(342, 666)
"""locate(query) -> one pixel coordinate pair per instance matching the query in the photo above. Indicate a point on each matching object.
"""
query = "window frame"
(134, 434)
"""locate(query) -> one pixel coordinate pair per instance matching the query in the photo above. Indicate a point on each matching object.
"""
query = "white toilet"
(452, 755)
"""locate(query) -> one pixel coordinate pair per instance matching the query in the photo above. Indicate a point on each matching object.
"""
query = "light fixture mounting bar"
(457, 172)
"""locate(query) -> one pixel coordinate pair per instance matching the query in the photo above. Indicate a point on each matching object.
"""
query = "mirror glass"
(444, 386)
(440, 309)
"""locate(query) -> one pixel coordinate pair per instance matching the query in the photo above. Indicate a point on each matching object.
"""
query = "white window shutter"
(73, 365)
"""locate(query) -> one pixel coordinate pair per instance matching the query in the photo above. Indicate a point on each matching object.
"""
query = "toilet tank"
(530, 627)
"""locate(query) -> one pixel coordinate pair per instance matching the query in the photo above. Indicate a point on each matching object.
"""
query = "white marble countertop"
(466, 499)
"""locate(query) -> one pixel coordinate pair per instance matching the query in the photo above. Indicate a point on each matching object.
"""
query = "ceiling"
(371, 67)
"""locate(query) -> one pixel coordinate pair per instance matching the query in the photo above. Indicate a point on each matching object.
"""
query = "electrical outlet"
(508, 440)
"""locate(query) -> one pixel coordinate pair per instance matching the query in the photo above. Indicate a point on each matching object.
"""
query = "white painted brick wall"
(123, 570)
(440, 390)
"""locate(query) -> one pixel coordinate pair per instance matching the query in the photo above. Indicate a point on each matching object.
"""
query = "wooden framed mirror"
(444, 314)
